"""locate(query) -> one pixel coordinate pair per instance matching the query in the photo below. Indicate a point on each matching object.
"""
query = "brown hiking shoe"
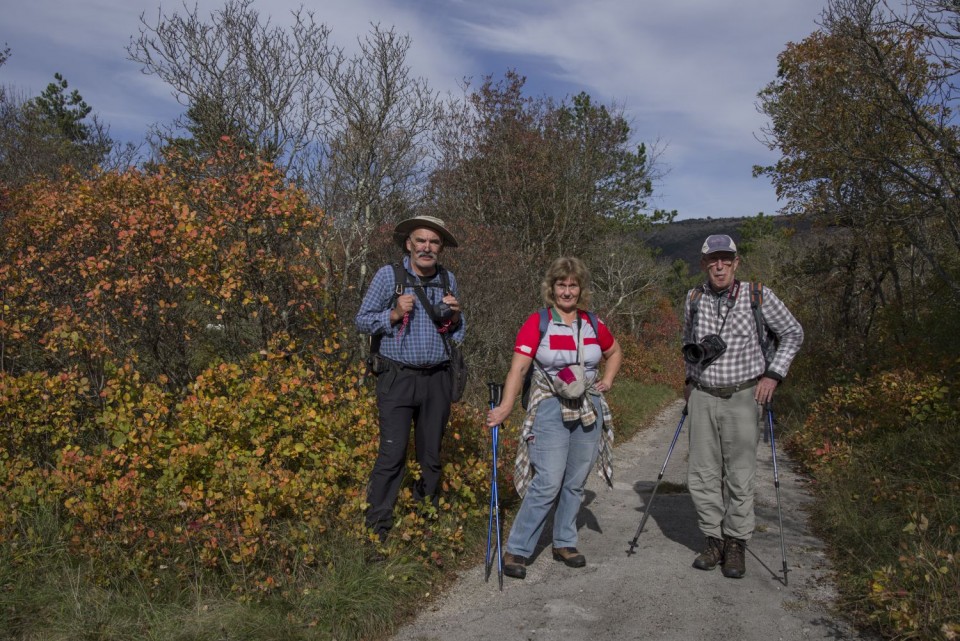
(515, 565)
(710, 557)
(734, 558)
(570, 556)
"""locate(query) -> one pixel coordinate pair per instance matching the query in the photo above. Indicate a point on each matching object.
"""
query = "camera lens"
(692, 353)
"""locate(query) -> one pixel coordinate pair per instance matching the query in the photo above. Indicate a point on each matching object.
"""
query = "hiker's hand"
(765, 389)
(454, 304)
(452, 301)
(497, 415)
(602, 387)
(686, 392)
(404, 306)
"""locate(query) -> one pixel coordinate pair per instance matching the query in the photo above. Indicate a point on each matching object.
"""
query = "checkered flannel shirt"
(418, 344)
(571, 410)
(743, 359)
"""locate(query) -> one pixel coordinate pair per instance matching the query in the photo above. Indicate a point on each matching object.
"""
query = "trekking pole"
(646, 509)
(776, 483)
(496, 393)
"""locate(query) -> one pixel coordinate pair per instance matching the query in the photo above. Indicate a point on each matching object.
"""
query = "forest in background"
(183, 406)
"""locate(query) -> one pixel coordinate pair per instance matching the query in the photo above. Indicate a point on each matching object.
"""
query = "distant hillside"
(681, 240)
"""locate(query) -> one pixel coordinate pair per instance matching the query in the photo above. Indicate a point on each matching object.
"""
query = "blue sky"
(686, 72)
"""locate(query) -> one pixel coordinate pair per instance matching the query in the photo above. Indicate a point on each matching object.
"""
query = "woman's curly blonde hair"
(561, 269)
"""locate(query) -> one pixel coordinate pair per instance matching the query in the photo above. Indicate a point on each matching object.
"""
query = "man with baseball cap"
(728, 382)
(413, 384)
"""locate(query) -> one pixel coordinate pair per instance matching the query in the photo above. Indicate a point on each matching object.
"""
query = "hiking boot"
(734, 558)
(710, 557)
(570, 556)
(515, 565)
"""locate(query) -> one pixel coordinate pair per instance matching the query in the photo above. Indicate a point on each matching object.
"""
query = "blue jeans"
(562, 455)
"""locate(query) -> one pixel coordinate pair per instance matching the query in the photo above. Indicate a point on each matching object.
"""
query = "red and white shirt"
(558, 347)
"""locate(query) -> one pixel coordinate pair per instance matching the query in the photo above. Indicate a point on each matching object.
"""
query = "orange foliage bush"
(168, 269)
(246, 469)
(851, 414)
(175, 390)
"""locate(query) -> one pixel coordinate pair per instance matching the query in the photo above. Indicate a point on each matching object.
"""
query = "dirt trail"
(655, 593)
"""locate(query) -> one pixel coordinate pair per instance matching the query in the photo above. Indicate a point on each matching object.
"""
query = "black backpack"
(769, 341)
(544, 322)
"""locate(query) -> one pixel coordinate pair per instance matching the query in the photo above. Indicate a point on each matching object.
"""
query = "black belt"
(726, 392)
(429, 369)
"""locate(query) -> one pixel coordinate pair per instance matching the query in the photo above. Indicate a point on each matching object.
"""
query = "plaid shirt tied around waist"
(581, 409)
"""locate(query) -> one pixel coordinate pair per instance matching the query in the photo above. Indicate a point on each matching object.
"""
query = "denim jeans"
(562, 455)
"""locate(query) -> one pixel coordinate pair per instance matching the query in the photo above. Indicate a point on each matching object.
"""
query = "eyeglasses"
(726, 262)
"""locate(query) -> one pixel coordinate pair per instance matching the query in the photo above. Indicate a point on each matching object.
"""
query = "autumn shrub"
(653, 357)
(171, 269)
(885, 455)
(241, 474)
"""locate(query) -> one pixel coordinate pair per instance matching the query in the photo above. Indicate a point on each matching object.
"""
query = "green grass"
(634, 404)
(890, 516)
(46, 594)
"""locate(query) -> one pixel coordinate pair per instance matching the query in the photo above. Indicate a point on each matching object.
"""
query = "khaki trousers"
(724, 434)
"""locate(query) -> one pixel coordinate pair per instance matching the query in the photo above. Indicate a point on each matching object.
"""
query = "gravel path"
(654, 593)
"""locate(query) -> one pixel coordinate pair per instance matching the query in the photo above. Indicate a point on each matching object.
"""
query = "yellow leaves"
(920, 523)
(220, 471)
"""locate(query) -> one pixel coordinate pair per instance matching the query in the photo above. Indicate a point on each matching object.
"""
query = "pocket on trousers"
(386, 379)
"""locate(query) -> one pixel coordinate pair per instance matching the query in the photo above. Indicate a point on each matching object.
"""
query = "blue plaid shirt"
(419, 344)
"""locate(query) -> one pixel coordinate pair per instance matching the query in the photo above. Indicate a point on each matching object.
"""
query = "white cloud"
(687, 71)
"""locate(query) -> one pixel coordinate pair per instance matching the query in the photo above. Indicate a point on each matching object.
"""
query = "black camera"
(442, 311)
(706, 351)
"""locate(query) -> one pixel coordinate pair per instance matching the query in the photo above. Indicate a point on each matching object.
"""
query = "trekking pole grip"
(496, 393)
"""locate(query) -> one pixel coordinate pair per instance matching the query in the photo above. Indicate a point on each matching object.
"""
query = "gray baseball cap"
(718, 243)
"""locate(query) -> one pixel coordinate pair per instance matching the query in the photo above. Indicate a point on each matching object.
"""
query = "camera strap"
(697, 295)
(420, 289)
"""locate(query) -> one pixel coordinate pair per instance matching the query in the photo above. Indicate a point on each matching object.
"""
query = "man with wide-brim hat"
(729, 379)
(408, 310)
(402, 231)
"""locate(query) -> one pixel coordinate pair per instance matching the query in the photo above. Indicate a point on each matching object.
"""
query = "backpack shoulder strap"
(756, 295)
(694, 301)
(695, 295)
(399, 280)
(767, 340)
(544, 321)
(594, 323)
(444, 279)
(756, 300)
